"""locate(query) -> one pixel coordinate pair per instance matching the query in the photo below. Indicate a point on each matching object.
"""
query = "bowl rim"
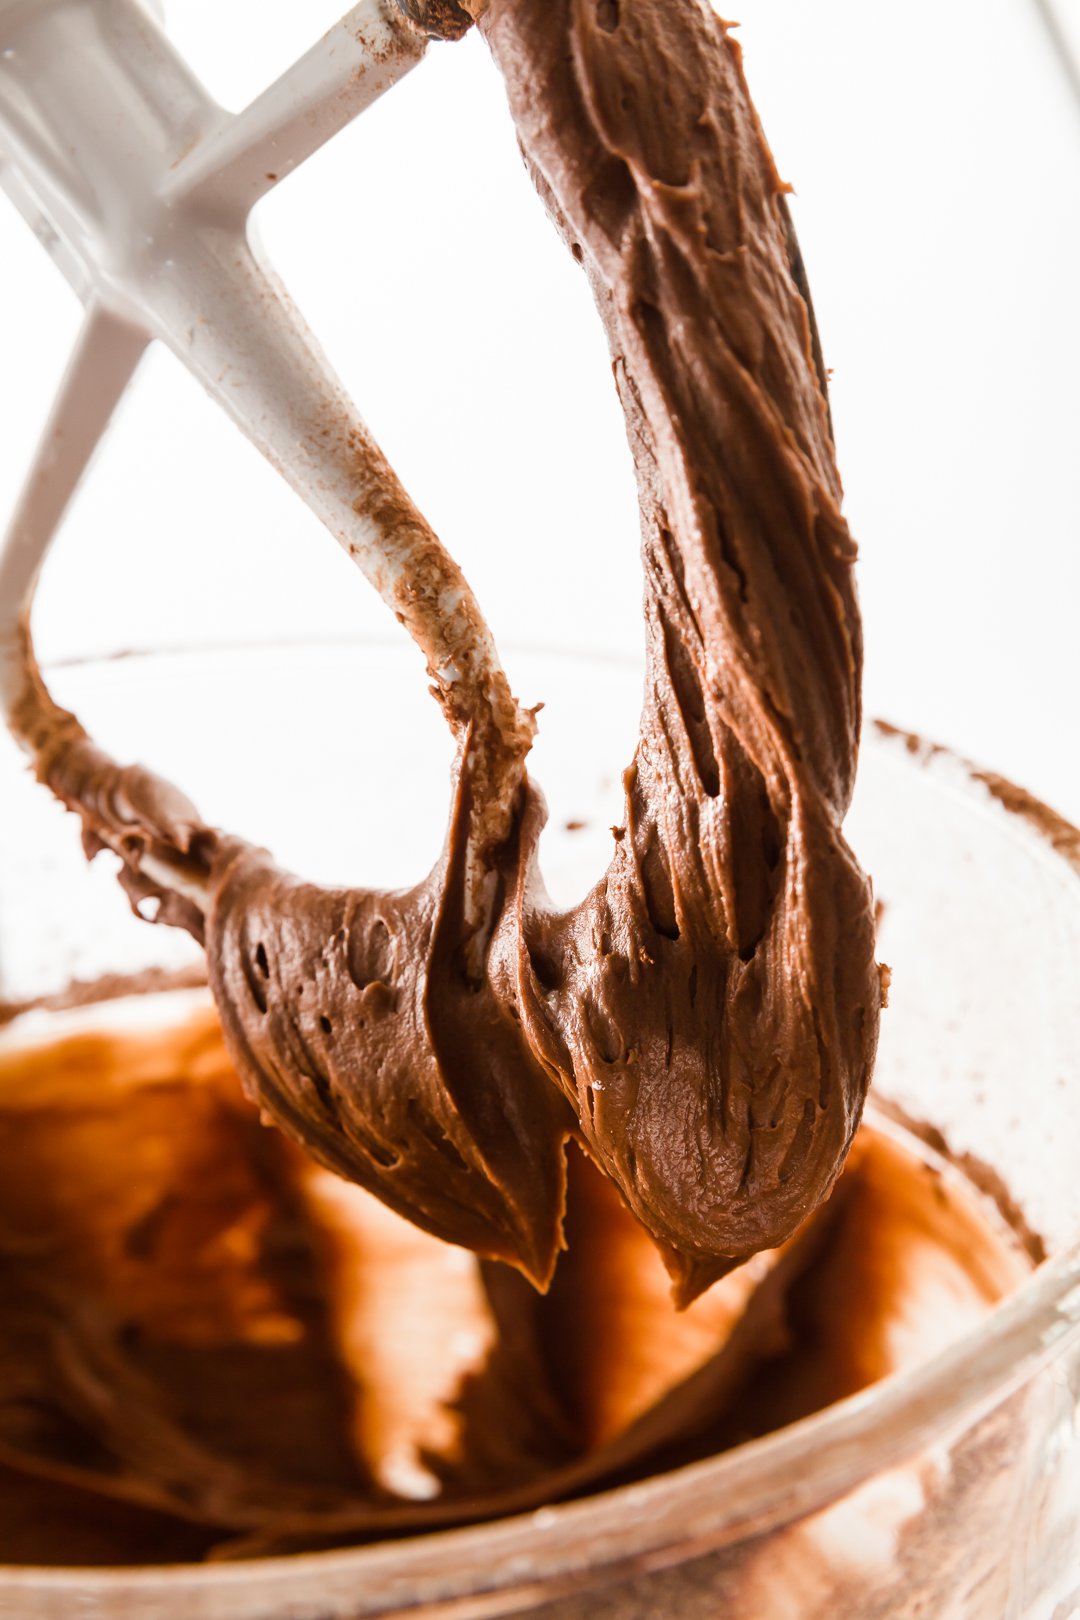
(702, 1506)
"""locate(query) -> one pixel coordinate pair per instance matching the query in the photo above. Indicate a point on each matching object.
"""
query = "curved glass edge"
(704, 1506)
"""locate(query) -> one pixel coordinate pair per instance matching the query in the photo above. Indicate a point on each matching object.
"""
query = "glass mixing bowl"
(949, 1491)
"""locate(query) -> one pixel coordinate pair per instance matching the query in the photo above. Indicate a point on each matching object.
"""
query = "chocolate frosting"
(171, 1274)
(712, 1012)
(704, 1023)
(440, 19)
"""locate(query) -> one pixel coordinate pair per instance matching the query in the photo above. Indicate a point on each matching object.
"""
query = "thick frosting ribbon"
(705, 1021)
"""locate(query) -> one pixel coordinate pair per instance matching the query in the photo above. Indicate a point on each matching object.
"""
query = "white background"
(936, 159)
